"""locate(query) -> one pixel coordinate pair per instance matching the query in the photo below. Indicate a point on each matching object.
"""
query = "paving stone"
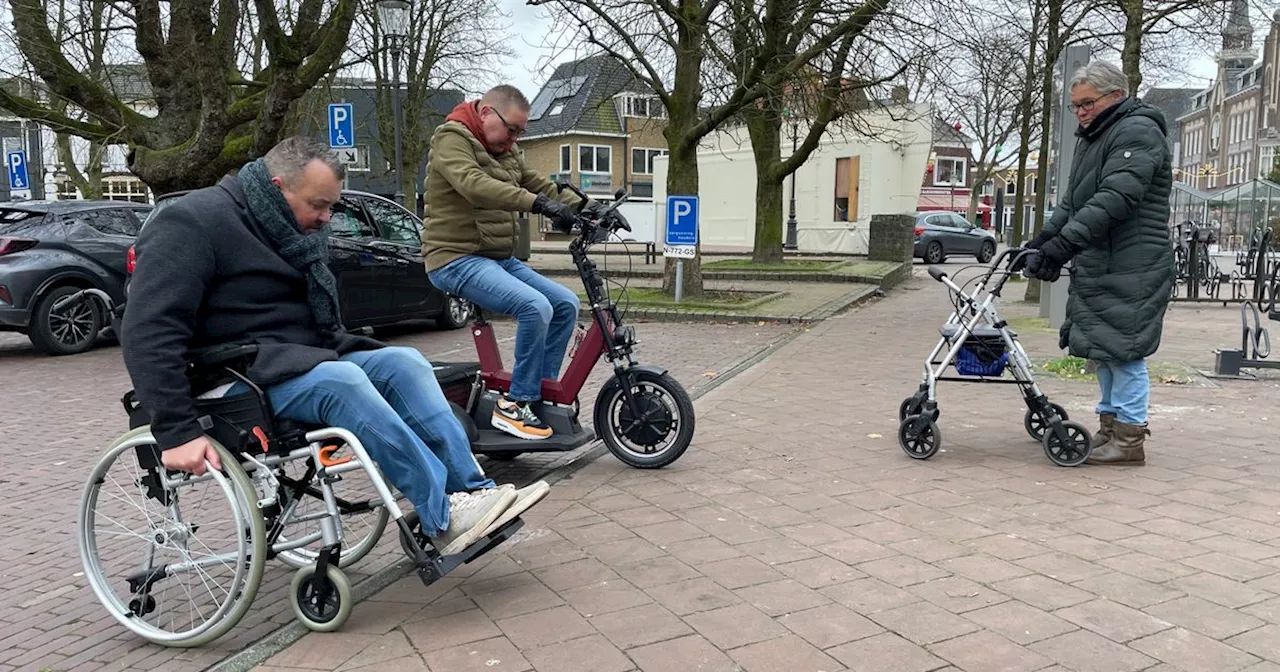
(902, 571)
(686, 653)
(1205, 617)
(489, 654)
(692, 596)
(1192, 651)
(1113, 620)
(639, 626)
(923, 623)
(787, 652)
(1042, 591)
(820, 572)
(829, 625)
(868, 596)
(734, 626)
(989, 651)
(545, 627)
(1086, 651)
(1263, 642)
(885, 652)
(593, 653)
(1019, 622)
(740, 572)
(958, 595)
(1221, 590)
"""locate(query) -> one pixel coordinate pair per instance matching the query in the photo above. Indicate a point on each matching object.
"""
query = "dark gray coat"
(1116, 208)
(206, 276)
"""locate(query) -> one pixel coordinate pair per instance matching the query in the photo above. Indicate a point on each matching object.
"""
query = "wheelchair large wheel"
(361, 517)
(177, 564)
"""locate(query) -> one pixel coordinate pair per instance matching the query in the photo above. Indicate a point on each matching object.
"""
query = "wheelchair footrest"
(438, 566)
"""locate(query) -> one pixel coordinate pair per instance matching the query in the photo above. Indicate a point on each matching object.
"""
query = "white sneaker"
(526, 497)
(470, 515)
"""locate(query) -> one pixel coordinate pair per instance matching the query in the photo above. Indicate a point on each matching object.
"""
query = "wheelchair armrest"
(220, 355)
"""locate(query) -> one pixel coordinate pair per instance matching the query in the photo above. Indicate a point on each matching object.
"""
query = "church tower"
(1237, 53)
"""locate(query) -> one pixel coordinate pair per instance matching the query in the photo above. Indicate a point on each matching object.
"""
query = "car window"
(960, 222)
(15, 221)
(347, 221)
(936, 220)
(395, 223)
(110, 221)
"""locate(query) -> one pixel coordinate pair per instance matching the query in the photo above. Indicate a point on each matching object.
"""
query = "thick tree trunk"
(1131, 53)
(682, 180)
(1053, 53)
(764, 128)
(1024, 133)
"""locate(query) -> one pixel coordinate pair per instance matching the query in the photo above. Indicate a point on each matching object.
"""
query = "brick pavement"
(797, 536)
(58, 413)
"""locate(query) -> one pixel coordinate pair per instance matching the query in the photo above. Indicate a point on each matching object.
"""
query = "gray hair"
(505, 96)
(288, 159)
(1102, 76)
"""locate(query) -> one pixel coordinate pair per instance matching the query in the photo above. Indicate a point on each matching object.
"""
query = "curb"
(275, 642)
(818, 314)
(745, 276)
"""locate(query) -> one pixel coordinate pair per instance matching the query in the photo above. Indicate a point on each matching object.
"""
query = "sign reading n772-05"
(679, 251)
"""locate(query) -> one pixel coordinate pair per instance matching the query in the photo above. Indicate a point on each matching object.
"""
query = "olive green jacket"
(472, 197)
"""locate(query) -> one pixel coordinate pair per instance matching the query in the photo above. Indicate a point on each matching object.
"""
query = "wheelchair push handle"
(937, 273)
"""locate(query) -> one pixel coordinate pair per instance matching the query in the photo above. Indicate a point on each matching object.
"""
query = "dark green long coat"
(1117, 210)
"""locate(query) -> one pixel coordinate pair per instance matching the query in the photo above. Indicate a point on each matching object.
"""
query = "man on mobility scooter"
(476, 182)
(241, 262)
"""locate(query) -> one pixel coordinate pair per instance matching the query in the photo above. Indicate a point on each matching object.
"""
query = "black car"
(52, 249)
(940, 233)
(376, 256)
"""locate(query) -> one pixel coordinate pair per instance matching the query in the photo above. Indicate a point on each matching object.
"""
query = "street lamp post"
(393, 15)
(791, 217)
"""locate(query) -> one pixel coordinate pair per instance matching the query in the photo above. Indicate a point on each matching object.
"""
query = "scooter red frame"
(582, 360)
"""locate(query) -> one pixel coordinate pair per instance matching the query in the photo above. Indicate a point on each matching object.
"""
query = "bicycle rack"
(1255, 346)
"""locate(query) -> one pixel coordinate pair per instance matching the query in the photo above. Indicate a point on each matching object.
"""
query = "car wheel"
(933, 253)
(457, 311)
(987, 251)
(69, 331)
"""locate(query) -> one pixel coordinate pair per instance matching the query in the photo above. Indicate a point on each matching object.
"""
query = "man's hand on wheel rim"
(190, 456)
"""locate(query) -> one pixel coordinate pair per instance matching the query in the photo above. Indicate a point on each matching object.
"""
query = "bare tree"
(452, 44)
(836, 84)
(211, 115)
(987, 84)
(672, 47)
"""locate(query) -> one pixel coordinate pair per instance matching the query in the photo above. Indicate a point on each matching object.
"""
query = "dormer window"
(642, 107)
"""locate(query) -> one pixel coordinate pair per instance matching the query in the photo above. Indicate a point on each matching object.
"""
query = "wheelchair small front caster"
(321, 612)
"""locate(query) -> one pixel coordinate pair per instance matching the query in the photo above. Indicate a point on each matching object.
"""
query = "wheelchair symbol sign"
(17, 162)
(341, 125)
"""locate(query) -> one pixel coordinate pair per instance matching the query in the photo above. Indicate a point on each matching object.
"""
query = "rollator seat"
(981, 331)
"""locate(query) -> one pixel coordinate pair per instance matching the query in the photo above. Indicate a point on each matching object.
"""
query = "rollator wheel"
(321, 613)
(1036, 424)
(1074, 451)
(904, 409)
(919, 444)
(178, 566)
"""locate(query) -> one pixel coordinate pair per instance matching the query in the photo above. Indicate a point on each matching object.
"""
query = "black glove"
(1059, 250)
(593, 209)
(1042, 267)
(617, 221)
(561, 215)
(1039, 240)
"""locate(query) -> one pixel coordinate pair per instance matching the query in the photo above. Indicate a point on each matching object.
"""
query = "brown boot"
(1124, 448)
(1106, 429)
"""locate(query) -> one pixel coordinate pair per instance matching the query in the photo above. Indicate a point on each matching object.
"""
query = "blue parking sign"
(682, 220)
(18, 170)
(342, 132)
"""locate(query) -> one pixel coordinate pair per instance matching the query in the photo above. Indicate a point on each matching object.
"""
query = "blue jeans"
(1125, 387)
(390, 400)
(545, 311)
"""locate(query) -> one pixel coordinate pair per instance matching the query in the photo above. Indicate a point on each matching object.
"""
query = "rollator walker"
(982, 348)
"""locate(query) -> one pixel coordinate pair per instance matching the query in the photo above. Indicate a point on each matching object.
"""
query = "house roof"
(579, 98)
(946, 132)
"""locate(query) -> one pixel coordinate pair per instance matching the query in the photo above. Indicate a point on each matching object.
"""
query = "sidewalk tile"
(784, 653)
(593, 653)
(489, 655)
(640, 625)
(692, 653)
(734, 626)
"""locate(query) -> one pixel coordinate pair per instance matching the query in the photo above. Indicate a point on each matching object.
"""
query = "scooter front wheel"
(654, 433)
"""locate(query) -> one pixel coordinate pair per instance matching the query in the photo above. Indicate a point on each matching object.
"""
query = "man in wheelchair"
(243, 262)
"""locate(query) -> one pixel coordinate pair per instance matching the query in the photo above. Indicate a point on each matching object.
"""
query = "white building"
(849, 177)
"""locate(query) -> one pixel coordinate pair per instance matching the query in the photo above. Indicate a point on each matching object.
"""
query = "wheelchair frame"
(252, 444)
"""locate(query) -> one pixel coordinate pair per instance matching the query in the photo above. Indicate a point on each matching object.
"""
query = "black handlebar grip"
(937, 273)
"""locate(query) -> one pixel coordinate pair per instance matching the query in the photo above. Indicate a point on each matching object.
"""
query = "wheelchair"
(188, 570)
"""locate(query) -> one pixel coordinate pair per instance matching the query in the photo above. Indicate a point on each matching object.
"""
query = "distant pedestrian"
(1112, 219)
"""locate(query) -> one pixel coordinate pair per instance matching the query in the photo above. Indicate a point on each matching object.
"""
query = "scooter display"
(642, 414)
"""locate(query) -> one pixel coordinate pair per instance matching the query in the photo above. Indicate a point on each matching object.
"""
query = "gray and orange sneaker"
(519, 420)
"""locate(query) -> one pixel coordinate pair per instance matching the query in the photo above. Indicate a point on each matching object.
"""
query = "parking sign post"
(682, 235)
(19, 185)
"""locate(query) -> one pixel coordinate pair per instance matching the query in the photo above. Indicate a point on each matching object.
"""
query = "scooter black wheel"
(1036, 424)
(653, 434)
(1072, 452)
(919, 443)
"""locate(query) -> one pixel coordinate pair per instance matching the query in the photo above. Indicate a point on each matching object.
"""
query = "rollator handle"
(937, 273)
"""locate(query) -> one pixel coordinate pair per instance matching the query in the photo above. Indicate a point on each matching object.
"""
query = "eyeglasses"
(1088, 105)
(512, 129)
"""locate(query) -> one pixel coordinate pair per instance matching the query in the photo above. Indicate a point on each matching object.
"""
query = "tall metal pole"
(395, 76)
(791, 218)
